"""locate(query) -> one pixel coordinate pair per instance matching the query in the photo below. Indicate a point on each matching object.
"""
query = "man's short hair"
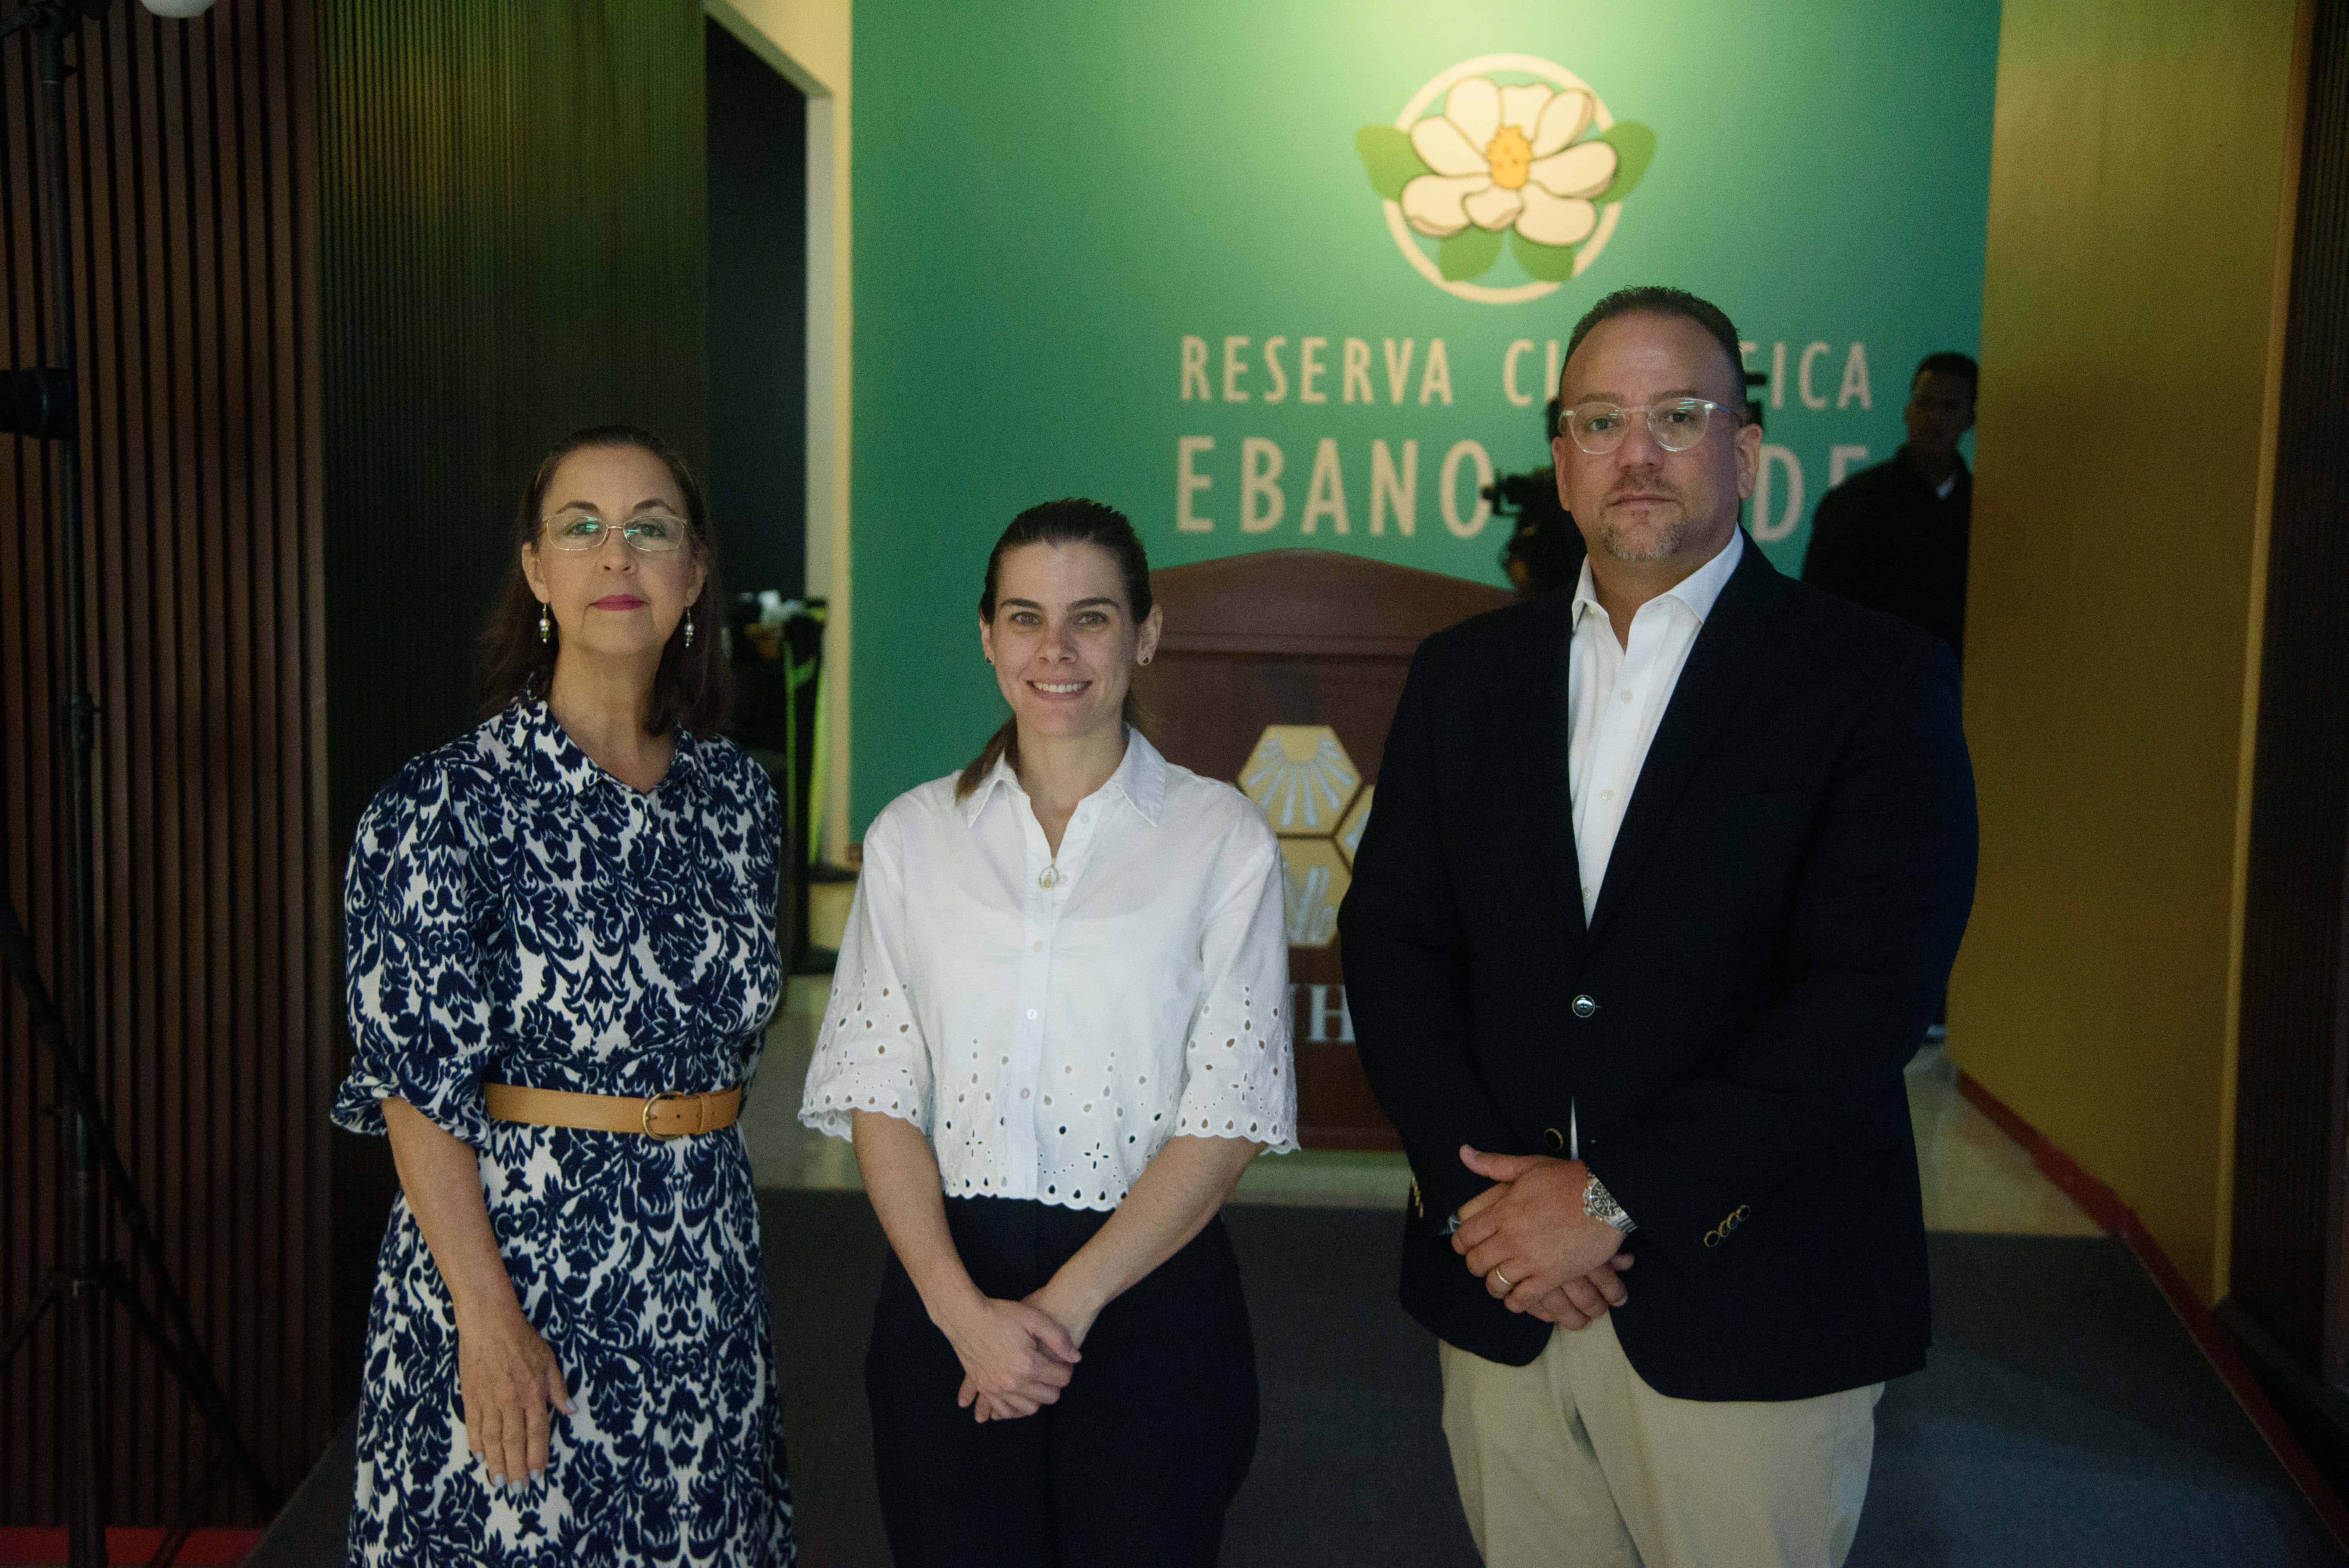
(1949, 362)
(1654, 299)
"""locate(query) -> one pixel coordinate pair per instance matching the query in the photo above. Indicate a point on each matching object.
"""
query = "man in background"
(1544, 550)
(1893, 537)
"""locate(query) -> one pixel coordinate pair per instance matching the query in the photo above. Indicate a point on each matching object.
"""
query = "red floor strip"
(131, 1544)
(2107, 1209)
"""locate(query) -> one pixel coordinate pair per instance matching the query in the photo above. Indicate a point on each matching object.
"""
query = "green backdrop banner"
(1287, 273)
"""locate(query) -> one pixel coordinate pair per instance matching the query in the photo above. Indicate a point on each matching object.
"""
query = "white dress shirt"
(1050, 1021)
(1616, 696)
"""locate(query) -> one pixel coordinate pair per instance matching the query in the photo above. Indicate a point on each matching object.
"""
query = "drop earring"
(688, 628)
(545, 626)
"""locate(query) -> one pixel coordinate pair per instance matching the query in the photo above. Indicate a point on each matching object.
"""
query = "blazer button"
(1553, 1138)
(1584, 1006)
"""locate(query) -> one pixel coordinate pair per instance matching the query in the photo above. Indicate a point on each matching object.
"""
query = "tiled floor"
(1975, 1177)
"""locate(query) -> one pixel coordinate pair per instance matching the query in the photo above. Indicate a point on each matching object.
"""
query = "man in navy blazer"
(1663, 882)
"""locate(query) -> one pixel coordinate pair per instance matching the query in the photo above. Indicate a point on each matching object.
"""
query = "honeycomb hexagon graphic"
(1318, 878)
(1301, 778)
(1357, 817)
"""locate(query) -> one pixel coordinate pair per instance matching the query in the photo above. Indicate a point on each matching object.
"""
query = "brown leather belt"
(670, 1114)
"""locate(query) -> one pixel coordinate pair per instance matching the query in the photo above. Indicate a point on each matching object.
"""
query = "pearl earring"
(545, 626)
(688, 628)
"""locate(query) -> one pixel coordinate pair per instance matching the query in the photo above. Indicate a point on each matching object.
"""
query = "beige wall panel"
(2138, 191)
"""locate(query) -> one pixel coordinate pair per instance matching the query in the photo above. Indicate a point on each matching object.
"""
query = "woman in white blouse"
(1057, 1032)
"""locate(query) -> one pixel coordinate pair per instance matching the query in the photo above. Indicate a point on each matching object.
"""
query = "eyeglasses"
(648, 533)
(1676, 423)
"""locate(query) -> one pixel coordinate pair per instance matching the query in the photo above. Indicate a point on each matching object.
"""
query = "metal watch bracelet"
(1599, 1203)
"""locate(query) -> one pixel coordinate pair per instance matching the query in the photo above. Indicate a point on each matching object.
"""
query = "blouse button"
(1031, 1012)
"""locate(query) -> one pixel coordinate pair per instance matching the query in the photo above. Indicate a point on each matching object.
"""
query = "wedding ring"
(1503, 1279)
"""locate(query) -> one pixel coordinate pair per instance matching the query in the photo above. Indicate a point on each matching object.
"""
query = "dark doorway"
(2288, 1291)
(758, 318)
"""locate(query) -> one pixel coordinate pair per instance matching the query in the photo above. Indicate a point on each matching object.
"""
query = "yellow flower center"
(1511, 155)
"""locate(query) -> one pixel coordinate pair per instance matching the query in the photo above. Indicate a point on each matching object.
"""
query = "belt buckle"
(655, 1100)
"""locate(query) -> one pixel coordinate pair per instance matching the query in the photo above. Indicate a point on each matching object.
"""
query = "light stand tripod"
(43, 403)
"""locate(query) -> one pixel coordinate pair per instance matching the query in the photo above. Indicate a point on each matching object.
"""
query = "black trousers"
(1136, 1462)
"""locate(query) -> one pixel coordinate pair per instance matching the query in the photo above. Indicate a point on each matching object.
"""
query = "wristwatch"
(1599, 1203)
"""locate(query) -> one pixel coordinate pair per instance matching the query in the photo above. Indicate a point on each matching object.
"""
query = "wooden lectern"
(1280, 672)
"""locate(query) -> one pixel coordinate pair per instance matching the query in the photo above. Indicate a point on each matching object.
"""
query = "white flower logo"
(1504, 151)
(1502, 158)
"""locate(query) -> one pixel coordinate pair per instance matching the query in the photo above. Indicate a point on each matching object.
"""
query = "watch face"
(1599, 1205)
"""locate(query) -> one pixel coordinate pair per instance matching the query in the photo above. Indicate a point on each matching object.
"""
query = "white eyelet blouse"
(1049, 1022)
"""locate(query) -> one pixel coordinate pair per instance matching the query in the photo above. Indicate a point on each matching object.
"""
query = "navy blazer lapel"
(1549, 799)
(1726, 658)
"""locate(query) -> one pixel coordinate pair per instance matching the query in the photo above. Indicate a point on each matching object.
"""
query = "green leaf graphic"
(1550, 264)
(1635, 148)
(1390, 158)
(1468, 254)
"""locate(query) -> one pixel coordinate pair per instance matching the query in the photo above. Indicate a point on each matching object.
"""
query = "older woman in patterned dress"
(562, 953)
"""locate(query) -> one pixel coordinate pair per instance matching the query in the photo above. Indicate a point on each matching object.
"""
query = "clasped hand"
(1528, 1240)
(1016, 1358)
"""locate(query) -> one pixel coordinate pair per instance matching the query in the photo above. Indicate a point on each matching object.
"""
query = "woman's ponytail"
(1004, 742)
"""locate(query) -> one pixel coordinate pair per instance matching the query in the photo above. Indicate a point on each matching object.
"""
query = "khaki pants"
(1574, 1462)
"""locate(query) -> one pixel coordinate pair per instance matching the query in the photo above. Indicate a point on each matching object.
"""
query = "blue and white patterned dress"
(516, 914)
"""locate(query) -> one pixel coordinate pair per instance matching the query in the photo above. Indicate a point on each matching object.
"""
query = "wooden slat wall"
(193, 188)
(2290, 1270)
(514, 243)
